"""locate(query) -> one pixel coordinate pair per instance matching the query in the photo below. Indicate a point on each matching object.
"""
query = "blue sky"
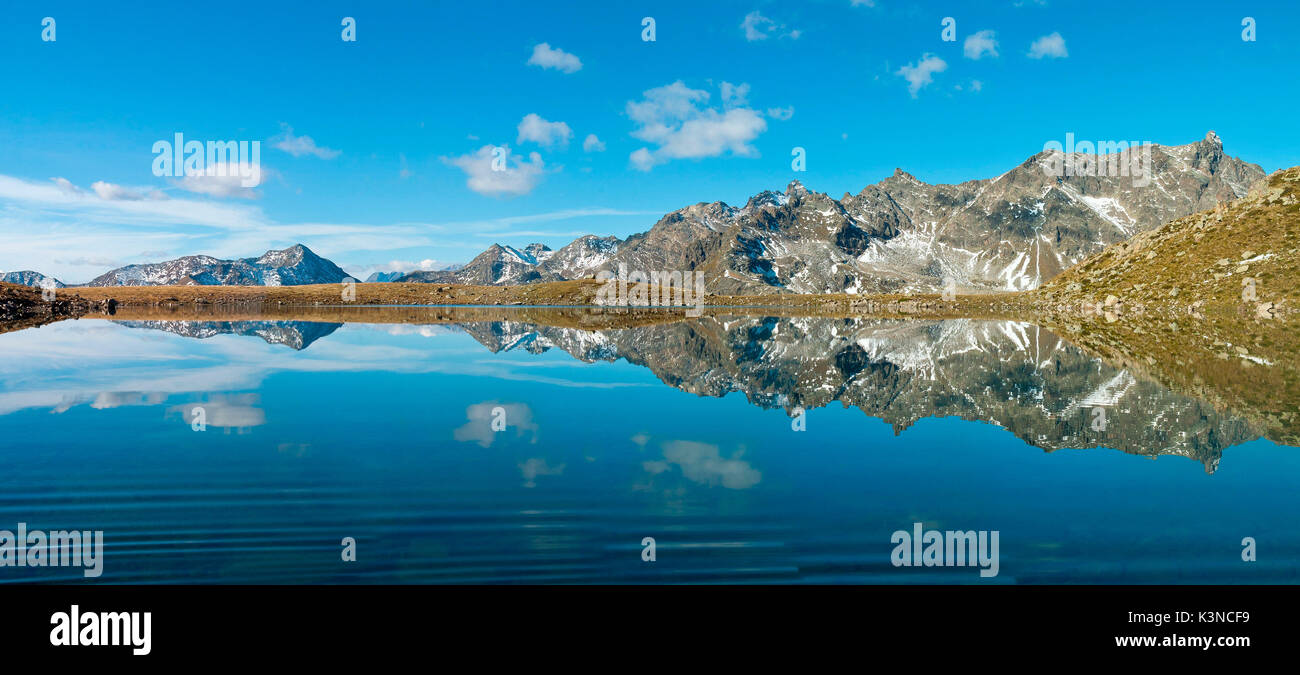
(370, 149)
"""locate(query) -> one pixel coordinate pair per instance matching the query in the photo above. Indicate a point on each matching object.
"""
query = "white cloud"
(922, 73)
(299, 146)
(66, 185)
(113, 191)
(509, 181)
(592, 144)
(64, 198)
(981, 43)
(1049, 46)
(862, 3)
(547, 57)
(642, 159)
(82, 261)
(976, 85)
(781, 113)
(225, 179)
(678, 120)
(758, 27)
(734, 95)
(547, 134)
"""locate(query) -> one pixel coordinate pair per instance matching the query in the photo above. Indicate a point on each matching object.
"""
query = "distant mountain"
(384, 277)
(583, 257)
(505, 265)
(294, 266)
(497, 266)
(1012, 232)
(29, 278)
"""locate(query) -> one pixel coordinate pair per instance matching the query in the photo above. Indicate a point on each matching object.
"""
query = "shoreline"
(560, 294)
(1047, 305)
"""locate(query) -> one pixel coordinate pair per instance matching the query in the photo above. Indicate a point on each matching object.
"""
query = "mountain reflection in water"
(1016, 375)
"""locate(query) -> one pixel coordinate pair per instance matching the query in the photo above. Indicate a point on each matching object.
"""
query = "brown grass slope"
(1208, 260)
(558, 293)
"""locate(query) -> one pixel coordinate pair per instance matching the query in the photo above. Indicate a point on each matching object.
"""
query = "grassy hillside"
(1209, 261)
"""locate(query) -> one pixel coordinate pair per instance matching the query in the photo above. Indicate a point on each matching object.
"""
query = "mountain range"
(1013, 232)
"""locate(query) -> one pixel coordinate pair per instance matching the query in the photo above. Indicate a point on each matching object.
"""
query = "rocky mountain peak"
(289, 256)
(538, 251)
(899, 173)
(1207, 154)
(766, 198)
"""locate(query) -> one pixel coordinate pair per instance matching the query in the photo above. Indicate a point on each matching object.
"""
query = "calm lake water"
(685, 432)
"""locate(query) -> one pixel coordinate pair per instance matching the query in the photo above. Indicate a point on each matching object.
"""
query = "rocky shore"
(24, 307)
